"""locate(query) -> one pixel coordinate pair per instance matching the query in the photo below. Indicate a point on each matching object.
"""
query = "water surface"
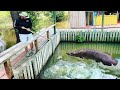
(112, 49)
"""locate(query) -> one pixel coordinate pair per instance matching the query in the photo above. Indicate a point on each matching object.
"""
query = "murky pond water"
(62, 66)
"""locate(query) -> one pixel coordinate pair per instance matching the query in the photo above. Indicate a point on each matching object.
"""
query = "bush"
(45, 18)
(33, 16)
(60, 16)
(80, 38)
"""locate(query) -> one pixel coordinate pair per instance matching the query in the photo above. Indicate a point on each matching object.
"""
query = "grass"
(5, 20)
(9, 38)
(6, 29)
(63, 25)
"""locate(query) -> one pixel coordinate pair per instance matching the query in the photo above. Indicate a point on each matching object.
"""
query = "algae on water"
(78, 70)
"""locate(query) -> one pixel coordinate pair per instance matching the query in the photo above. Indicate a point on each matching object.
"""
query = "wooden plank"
(88, 35)
(73, 36)
(89, 39)
(68, 36)
(28, 71)
(108, 36)
(48, 36)
(115, 36)
(16, 76)
(112, 36)
(8, 69)
(97, 36)
(21, 74)
(105, 39)
(25, 73)
(38, 63)
(93, 36)
(118, 36)
(93, 39)
(36, 45)
(100, 36)
(63, 36)
(31, 69)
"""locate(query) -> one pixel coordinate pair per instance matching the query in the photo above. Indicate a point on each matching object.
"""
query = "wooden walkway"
(15, 57)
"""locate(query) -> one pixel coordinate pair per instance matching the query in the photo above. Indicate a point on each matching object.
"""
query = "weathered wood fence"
(45, 43)
(32, 67)
(90, 35)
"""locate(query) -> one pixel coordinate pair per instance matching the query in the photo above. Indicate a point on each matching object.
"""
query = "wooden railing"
(5, 57)
(107, 35)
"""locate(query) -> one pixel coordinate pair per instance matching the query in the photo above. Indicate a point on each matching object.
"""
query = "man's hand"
(23, 27)
(28, 29)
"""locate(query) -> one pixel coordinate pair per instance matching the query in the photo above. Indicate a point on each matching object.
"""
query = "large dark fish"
(95, 55)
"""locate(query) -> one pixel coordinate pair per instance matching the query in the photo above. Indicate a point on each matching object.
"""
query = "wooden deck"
(14, 57)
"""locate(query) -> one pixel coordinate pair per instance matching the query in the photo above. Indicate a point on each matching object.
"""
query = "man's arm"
(16, 25)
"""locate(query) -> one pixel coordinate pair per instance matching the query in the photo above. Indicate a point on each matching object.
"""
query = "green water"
(112, 49)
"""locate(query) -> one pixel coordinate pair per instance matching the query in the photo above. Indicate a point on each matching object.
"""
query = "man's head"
(23, 15)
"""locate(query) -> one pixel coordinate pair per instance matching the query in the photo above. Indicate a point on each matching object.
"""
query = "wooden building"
(80, 19)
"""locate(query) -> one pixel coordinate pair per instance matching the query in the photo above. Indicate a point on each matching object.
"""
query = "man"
(24, 25)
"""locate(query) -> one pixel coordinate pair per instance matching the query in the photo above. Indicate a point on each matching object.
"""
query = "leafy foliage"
(59, 16)
(80, 38)
(42, 19)
(33, 16)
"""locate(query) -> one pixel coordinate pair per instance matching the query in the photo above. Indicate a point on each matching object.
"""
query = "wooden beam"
(88, 18)
(54, 16)
(48, 35)
(8, 69)
(102, 20)
(36, 45)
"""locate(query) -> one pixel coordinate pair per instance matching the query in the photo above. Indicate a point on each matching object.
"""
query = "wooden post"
(54, 16)
(102, 20)
(8, 69)
(36, 45)
(48, 35)
(117, 15)
(88, 18)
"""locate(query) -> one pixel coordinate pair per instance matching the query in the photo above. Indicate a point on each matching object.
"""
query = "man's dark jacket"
(20, 23)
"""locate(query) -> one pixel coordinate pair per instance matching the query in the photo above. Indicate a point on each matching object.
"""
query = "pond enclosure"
(18, 66)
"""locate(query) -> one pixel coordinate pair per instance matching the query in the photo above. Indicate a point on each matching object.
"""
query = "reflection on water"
(112, 49)
(9, 37)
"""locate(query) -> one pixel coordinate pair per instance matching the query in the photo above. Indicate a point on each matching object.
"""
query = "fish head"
(71, 53)
(114, 62)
